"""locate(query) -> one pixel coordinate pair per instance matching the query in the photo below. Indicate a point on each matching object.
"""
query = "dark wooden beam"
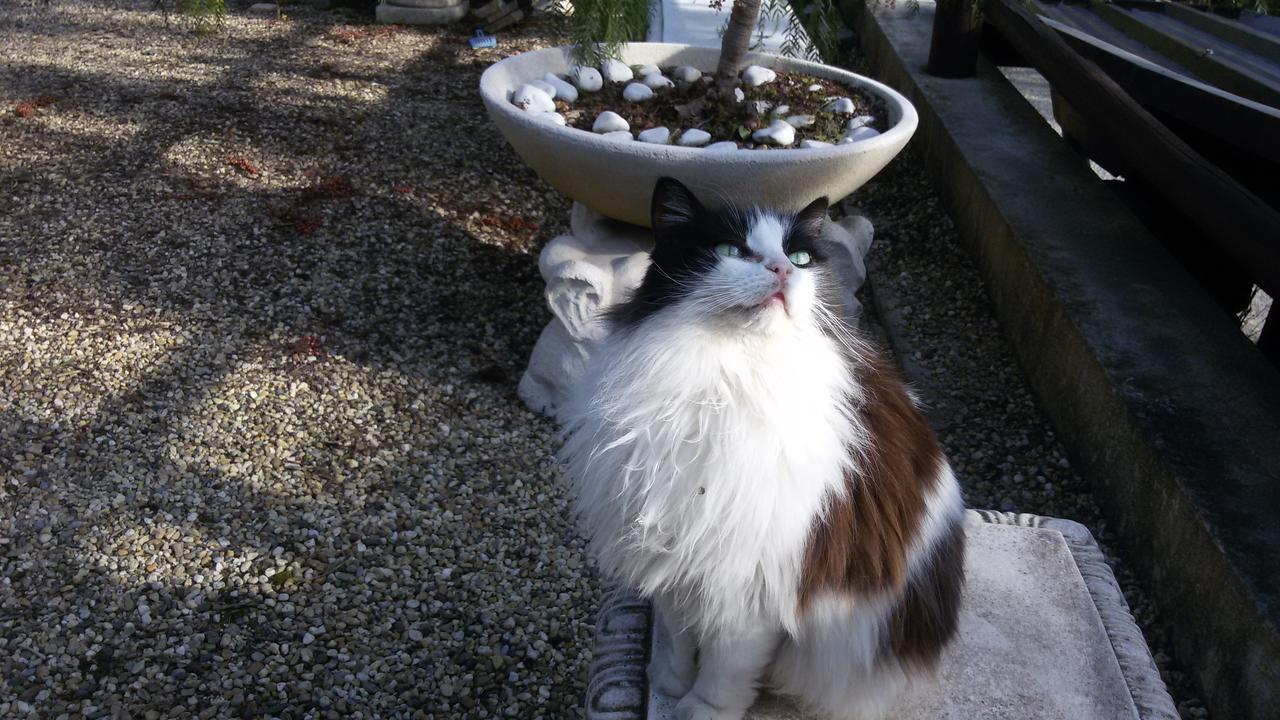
(1244, 226)
(1212, 66)
(1236, 33)
(953, 48)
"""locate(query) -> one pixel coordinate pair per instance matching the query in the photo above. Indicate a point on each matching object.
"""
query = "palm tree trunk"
(736, 41)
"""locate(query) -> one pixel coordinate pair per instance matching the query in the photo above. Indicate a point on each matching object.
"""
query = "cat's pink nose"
(782, 268)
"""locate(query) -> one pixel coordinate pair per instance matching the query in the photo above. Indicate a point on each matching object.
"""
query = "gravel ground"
(264, 297)
(927, 294)
(263, 300)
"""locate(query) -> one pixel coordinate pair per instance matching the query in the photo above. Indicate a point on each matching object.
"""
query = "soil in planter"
(689, 105)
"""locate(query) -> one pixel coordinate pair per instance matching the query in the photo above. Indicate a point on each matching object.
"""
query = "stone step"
(1045, 633)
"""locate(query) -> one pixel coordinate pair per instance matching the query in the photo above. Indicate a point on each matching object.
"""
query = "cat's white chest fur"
(702, 460)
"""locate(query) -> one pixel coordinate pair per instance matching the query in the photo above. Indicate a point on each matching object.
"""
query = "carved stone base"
(600, 262)
(1045, 633)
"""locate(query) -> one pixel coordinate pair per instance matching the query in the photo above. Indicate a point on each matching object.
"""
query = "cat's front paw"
(692, 707)
(669, 680)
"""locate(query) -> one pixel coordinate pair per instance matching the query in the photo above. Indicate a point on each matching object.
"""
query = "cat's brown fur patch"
(925, 618)
(861, 544)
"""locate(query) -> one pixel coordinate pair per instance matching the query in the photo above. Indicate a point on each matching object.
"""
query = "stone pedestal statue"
(599, 262)
(421, 12)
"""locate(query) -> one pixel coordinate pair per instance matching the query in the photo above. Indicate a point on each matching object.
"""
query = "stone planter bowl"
(616, 178)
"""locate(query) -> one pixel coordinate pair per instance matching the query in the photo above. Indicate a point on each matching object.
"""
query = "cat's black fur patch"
(685, 237)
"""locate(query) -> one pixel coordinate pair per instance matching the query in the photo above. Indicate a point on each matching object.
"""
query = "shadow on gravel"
(391, 241)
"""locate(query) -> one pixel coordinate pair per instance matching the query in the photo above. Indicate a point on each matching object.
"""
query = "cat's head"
(751, 268)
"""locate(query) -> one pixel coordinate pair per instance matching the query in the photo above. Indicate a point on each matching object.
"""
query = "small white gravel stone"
(657, 81)
(616, 71)
(857, 122)
(815, 88)
(694, 137)
(658, 135)
(687, 74)
(782, 110)
(722, 146)
(554, 118)
(588, 79)
(531, 98)
(622, 135)
(650, 69)
(545, 87)
(779, 133)
(564, 90)
(755, 76)
(800, 121)
(858, 134)
(635, 92)
(609, 121)
(738, 95)
(814, 144)
(844, 106)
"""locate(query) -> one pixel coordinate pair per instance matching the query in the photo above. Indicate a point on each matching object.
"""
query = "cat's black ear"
(814, 216)
(673, 206)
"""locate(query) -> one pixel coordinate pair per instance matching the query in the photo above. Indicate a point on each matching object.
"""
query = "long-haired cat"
(744, 460)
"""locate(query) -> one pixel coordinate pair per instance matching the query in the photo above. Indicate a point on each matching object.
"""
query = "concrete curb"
(1164, 405)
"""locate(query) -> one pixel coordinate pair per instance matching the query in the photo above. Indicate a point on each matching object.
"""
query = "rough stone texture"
(600, 261)
(1044, 635)
(397, 15)
(1169, 410)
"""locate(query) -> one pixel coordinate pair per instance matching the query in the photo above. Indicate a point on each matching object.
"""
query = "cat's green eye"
(728, 250)
(800, 258)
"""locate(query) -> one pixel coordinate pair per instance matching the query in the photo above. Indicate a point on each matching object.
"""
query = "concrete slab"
(1044, 634)
(1166, 407)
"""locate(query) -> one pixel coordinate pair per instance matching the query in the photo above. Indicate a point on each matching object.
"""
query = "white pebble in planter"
(587, 79)
(814, 144)
(738, 96)
(755, 76)
(635, 92)
(531, 98)
(545, 87)
(844, 106)
(619, 135)
(564, 91)
(554, 118)
(815, 88)
(694, 138)
(657, 81)
(859, 121)
(687, 74)
(610, 121)
(658, 136)
(857, 134)
(722, 146)
(616, 71)
(779, 133)
(650, 69)
(799, 121)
